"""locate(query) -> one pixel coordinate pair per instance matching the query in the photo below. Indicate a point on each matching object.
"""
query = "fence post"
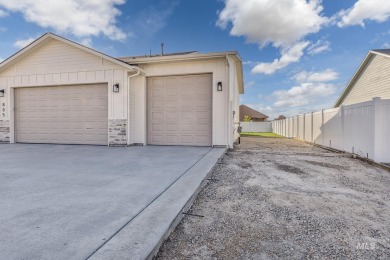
(377, 156)
(304, 128)
(342, 116)
(285, 127)
(322, 128)
(312, 127)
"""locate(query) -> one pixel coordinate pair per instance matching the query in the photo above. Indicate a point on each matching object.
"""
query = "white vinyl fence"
(256, 126)
(362, 128)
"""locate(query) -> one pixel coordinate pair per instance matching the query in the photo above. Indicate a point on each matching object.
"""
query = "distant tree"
(281, 117)
(247, 119)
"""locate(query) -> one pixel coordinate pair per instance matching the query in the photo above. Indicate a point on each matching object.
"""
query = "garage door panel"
(171, 139)
(176, 106)
(158, 104)
(157, 127)
(157, 115)
(62, 114)
(171, 115)
(171, 127)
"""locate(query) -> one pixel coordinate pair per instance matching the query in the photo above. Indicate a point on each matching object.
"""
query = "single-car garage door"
(180, 110)
(76, 114)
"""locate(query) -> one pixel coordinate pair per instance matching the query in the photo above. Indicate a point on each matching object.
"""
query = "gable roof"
(369, 56)
(192, 55)
(48, 37)
(247, 111)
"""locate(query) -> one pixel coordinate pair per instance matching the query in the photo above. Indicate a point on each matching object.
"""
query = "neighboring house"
(281, 117)
(372, 79)
(58, 91)
(255, 116)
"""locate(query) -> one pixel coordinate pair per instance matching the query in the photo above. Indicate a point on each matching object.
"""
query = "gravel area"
(276, 198)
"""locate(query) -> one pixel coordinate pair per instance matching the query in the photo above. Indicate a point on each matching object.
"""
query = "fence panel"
(332, 130)
(317, 127)
(382, 151)
(301, 127)
(308, 128)
(362, 128)
(358, 126)
(256, 126)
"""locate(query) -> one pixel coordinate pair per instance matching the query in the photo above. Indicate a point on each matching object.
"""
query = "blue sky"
(298, 54)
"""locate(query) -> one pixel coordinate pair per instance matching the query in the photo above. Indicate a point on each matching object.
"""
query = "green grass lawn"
(263, 134)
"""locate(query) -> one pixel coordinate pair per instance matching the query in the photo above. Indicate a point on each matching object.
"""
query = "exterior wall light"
(2, 92)
(115, 88)
(219, 86)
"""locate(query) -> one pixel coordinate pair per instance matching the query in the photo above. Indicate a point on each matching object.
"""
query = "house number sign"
(3, 109)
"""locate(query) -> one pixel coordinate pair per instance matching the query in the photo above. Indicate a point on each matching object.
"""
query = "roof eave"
(38, 43)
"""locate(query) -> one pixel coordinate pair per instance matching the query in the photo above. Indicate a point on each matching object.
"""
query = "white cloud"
(386, 45)
(23, 43)
(82, 18)
(154, 18)
(322, 76)
(250, 84)
(303, 94)
(319, 47)
(3, 13)
(364, 10)
(86, 42)
(289, 55)
(281, 22)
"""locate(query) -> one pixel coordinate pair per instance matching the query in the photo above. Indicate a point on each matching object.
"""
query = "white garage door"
(180, 110)
(76, 114)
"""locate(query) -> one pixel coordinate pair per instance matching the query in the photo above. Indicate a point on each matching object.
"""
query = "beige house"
(370, 80)
(57, 91)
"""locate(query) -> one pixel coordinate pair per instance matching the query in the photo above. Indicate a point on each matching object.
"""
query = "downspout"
(128, 102)
(230, 135)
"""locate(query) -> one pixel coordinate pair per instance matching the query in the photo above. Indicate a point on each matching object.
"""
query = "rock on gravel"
(275, 198)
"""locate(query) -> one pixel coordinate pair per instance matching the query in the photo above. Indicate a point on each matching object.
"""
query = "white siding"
(374, 81)
(60, 64)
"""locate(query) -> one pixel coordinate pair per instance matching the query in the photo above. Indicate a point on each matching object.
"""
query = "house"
(255, 116)
(370, 80)
(280, 117)
(57, 91)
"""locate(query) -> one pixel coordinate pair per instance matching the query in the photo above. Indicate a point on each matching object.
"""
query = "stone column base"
(117, 129)
(4, 131)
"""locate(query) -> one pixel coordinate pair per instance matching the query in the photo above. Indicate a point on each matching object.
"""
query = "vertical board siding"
(58, 63)
(362, 128)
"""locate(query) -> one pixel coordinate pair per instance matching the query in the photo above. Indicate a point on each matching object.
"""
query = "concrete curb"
(143, 237)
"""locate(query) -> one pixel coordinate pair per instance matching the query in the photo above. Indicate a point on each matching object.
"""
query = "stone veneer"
(117, 132)
(4, 131)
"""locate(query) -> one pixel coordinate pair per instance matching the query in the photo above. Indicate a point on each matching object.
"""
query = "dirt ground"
(275, 198)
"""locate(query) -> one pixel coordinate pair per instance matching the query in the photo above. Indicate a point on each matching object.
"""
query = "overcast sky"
(298, 54)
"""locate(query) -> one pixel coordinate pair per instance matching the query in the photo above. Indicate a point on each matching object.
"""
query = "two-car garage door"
(180, 110)
(76, 114)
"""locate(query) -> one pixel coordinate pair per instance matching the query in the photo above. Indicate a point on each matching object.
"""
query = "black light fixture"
(2, 92)
(115, 88)
(219, 86)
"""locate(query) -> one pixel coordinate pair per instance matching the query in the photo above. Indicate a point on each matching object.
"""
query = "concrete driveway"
(64, 201)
